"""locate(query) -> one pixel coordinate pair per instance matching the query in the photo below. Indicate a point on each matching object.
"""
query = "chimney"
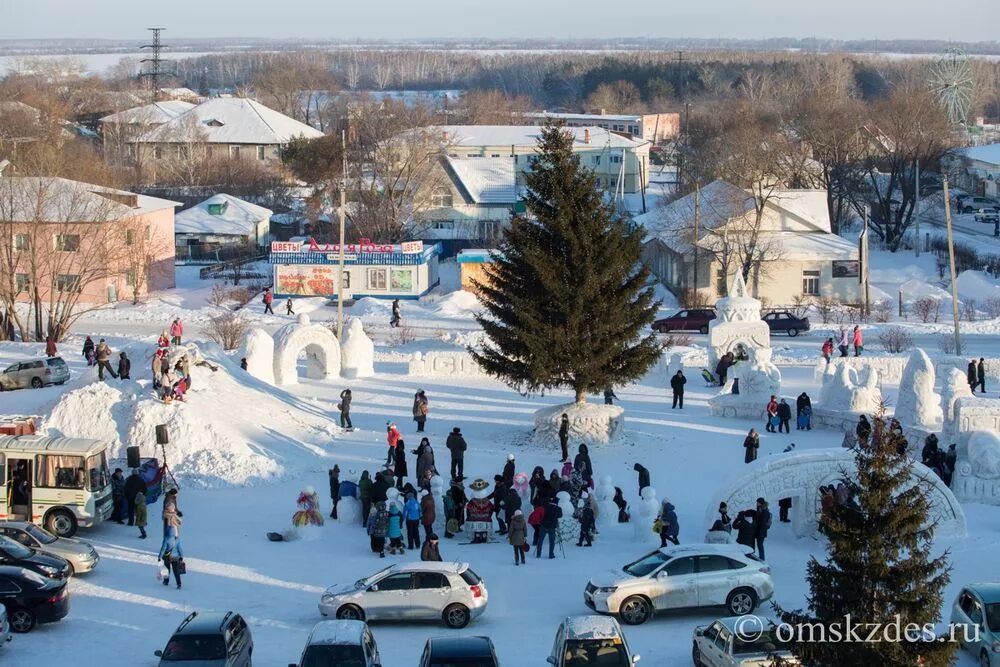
(586, 135)
(603, 112)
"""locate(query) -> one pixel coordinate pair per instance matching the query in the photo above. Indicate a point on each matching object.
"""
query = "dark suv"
(782, 321)
(221, 639)
(695, 319)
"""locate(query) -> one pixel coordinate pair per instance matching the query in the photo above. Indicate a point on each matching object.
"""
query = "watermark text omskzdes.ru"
(750, 628)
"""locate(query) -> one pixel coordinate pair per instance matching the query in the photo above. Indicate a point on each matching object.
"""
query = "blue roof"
(369, 258)
(474, 255)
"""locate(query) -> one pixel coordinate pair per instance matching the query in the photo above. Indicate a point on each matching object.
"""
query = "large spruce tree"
(878, 568)
(565, 298)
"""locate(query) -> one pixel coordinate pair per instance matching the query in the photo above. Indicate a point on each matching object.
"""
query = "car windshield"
(13, 548)
(43, 536)
(361, 583)
(645, 565)
(195, 647)
(595, 652)
(462, 662)
(993, 617)
(767, 642)
(97, 467)
(342, 655)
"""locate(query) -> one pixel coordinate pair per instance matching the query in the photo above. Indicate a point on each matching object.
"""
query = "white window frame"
(442, 199)
(60, 281)
(260, 153)
(381, 282)
(59, 241)
(810, 282)
(22, 247)
(22, 282)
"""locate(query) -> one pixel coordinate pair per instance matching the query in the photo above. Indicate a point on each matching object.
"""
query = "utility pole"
(916, 205)
(864, 254)
(697, 219)
(343, 223)
(951, 261)
(153, 73)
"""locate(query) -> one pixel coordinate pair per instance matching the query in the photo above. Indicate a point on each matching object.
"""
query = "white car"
(591, 640)
(733, 642)
(677, 577)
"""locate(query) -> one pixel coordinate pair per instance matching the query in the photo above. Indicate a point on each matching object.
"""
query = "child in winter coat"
(428, 513)
(378, 526)
(587, 523)
(394, 530)
(411, 511)
(140, 513)
(124, 366)
(392, 438)
(430, 550)
(517, 535)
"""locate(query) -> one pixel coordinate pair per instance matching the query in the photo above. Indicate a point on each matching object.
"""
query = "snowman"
(479, 512)
(437, 492)
(308, 519)
(607, 511)
(392, 496)
(646, 512)
(569, 527)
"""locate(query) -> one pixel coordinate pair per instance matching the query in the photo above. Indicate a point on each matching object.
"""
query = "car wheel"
(36, 383)
(61, 523)
(984, 659)
(703, 330)
(21, 620)
(696, 655)
(635, 610)
(350, 613)
(741, 602)
(456, 616)
(793, 332)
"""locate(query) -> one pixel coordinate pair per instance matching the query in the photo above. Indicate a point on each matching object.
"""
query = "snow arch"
(799, 475)
(321, 347)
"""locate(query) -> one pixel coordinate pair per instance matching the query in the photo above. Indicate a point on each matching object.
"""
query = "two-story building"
(652, 127)
(977, 170)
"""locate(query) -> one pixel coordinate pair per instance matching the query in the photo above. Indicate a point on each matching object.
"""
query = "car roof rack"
(190, 617)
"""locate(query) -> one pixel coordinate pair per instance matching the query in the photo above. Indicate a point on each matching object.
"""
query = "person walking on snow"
(428, 513)
(124, 366)
(669, 527)
(430, 552)
(288, 307)
(858, 342)
(677, 383)
(420, 409)
(394, 530)
(457, 446)
(981, 376)
(762, 524)
(508, 472)
(643, 476)
(772, 414)
(268, 298)
(548, 527)
(411, 512)
(784, 416)
(117, 495)
(803, 412)
(400, 468)
(345, 410)
(378, 526)
(751, 443)
(564, 437)
(365, 496)
(88, 350)
(425, 463)
(587, 523)
(845, 341)
(392, 438)
(50, 346)
(972, 376)
(176, 331)
(583, 459)
(103, 354)
(394, 321)
(609, 395)
(334, 475)
(517, 536)
(140, 513)
(133, 485)
(828, 349)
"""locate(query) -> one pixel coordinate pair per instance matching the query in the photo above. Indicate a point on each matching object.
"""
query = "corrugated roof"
(239, 217)
(231, 120)
(51, 199)
(150, 114)
(528, 135)
(49, 444)
(596, 117)
(486, 180)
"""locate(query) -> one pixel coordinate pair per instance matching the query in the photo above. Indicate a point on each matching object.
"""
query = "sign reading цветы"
(364, 245)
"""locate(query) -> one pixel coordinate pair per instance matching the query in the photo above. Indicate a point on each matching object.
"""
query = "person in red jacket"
(772, 413)
(858, 343)
(828, 349)
(268, 298)
(392, 437)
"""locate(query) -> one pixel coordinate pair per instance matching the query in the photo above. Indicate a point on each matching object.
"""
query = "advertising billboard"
(305, 280)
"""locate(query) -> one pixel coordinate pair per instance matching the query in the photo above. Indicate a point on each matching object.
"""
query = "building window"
(260, 152)
(810, 283)
(633, 130)
(67, 282)
(347, 280)
(720, 282)
(22, 242)
(616, 159)
(441, 199)
(234, 151)
(130, 278)
(129, 237)
(23, 281)
(157, 152)
(597, 159)
(495, 155)
(67, 242)
(443, 224)
(376, 279)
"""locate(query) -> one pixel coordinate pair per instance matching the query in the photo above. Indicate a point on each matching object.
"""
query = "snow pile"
(357, 351)
(258, 350)
(320, 345)
(459, 304)
(977, 285)
(916, 289)
(74, 414)
(589, 423)
(371, 307)
(919, 405)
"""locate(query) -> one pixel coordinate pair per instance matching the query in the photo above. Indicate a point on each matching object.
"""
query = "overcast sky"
(960, 20)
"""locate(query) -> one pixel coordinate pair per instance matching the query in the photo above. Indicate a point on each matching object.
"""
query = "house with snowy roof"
(689, 242)
(976, 170)
(219, 225)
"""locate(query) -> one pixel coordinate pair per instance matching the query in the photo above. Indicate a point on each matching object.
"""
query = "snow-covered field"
(244, 449)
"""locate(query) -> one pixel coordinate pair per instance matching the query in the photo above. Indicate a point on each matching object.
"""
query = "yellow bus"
(60, 483)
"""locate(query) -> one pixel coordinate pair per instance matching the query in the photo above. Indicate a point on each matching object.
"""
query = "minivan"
(34, 373)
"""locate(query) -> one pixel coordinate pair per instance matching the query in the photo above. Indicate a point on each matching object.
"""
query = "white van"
(60, 483)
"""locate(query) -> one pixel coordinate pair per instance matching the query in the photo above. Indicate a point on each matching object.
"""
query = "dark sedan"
(465, 651)
(31, 599)
(694, 319)
(782, 321)
(16, 554)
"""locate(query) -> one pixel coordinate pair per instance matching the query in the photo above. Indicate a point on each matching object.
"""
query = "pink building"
(101, 242)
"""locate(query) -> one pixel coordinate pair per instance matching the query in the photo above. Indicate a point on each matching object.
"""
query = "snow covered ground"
(243, 451)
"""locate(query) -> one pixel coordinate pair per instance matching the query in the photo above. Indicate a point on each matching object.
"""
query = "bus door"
(19, 489)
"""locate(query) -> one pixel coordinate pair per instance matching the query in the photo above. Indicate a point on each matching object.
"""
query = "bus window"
(97, 468)
(60, 472)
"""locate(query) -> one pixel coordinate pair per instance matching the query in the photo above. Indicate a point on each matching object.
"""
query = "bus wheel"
(61, 523)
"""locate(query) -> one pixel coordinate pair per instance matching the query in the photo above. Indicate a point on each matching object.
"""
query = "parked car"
(782, 321)
(695, 319)
(81, 556)
(464, 651)
(451, 592)
(675, 577)
(976, 203)
(977, 608)
(35, 373)
(5, 635)
(988, 216)
(340, 643)
(31, 599)
(212, 639)
(591, 640)
(47, 565)
(726, 643)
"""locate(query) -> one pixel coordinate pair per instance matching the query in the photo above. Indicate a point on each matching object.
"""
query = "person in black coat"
(538, 486)
(677, 383)
(981, 376)
(746, 528)
(399, 469)
(751, 443)
(497, 497)
(334, 474)
(929, 453)
(622, 504)
(643, 476)
(456, 445)
(583, 457)
(784, 416)
(548, 528)
(801, 403)
(761, 526)
(379, 488)
(587, 524)
(124, 366)
(508, 472)
(511, 503)
(133, 485)
(973, 375)
(863, 430)
(564, 437)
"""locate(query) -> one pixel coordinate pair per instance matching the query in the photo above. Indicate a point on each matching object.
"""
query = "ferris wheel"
(952, 81)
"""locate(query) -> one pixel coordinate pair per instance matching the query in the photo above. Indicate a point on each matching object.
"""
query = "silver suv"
(450, 592)
(677, 577)
(35, 373)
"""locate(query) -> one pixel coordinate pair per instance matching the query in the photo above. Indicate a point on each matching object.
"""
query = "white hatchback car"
(591, 640)
(677, 577)
(450, 592)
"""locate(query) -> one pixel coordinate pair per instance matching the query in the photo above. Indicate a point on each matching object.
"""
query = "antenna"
(153, 71)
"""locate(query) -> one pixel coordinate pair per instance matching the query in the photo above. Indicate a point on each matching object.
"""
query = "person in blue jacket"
(411, 512)
(395, 529)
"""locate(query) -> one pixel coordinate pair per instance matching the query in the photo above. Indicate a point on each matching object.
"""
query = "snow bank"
(370, 306)
(258, 350)
(977, 285)
(916, 288)
(848, 390)
(357, 352)
(459, 304)
(589, 423)
(74, 414)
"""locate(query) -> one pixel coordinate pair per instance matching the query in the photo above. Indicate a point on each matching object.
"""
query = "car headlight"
(48, 569)
(607, 589)
(326, 599)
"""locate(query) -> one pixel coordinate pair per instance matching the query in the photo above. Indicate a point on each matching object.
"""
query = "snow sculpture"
(308, 518)
(607, 511)
(759, 379)
(522, 487)
(479, 512)
(977, 468)
(919, 405)
(357, 352)
(956, 387)
(984, 455)
(392, 495)
(676, 364)
(737, 321)
(258, 349)
(349, 511)
(569, 527)
(321, 347)
(437, 492)
(589, 423)
(647, 509)
(849, 390)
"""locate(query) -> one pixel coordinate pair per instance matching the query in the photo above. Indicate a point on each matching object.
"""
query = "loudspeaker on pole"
(162, 438)
(132, 456)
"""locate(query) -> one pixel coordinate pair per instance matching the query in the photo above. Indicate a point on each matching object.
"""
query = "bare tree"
(295, 85)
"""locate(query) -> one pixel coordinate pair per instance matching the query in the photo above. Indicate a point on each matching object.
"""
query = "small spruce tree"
(565, 297)
(878, 568)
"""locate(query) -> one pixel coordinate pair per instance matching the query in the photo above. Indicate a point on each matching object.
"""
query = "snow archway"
(799, 475)
(321, 347)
